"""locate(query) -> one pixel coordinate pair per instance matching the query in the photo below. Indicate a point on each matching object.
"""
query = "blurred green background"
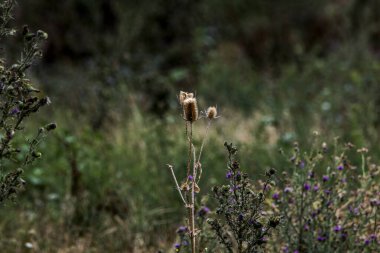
(277, 70)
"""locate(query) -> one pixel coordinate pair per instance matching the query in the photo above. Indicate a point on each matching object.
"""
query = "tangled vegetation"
(18, 102)
(278, 73)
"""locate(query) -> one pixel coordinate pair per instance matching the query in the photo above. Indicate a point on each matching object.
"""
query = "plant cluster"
(242, 224)
(189, 186)
(18, 101)
(329, 202)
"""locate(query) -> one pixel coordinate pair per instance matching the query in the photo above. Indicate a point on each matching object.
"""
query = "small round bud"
(36, 154)
(51, 126)
(10, 134)
(211, 112)
(42, 35)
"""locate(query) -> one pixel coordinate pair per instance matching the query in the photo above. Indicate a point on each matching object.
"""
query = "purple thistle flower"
(203, 211)
(374, 202)
(306, 186)
(325, 178)
(177, 246)
(316, 187)
(285, 249)
(181, 230)
(354, 211)
(15, 111)
(296, 251)
(190, 177)
(229, 175)
(288, 189)
(337, 228)
(340, 167)
(321, 238)
(275, 196)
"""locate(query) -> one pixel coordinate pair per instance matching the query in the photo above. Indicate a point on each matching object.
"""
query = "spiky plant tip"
(183, 96)
(211, 112)
(190, 109)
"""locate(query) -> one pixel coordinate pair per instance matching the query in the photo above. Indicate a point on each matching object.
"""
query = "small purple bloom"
(296, 251)
(288, 189)
(203, 211)
(311, 174)
(367, 241)
(181, 230)
(266, 187)
(316, 187)
(275, 196)
(15, 111)
(177, 246)
(327, 192)
(190, 177)
(325, 178)
(306, 186)
(337, 228)
(374, 202)
(354, 211)
(301, 164)
(340, 167)
(285, 249)
(321, 238)
(229, 175)
(240, 217)
(306, 227)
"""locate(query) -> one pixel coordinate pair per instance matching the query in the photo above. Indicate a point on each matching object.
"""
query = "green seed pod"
(36, 154)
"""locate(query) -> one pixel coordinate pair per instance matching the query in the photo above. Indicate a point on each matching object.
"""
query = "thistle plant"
(18, 102)
(329, 202)
(189, 186)
(242, 224)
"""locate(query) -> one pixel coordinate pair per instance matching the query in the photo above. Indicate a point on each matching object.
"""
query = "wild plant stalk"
(189, 186)
(18, 101)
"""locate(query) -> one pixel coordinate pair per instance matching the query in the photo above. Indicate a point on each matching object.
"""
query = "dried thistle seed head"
(190, 109)
(211, 112)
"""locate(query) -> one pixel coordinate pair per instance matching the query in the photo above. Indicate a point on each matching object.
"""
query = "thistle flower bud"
(42, 35)
(190, 109)
(211, 112)
(51, 126)
(36, 154)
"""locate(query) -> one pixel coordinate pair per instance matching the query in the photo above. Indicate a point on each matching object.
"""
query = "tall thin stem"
(204, 140)
(189, 130)
(176, 183)
(192, 218)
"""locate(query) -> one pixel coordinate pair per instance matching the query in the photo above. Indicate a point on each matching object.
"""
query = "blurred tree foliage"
(154, 48)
